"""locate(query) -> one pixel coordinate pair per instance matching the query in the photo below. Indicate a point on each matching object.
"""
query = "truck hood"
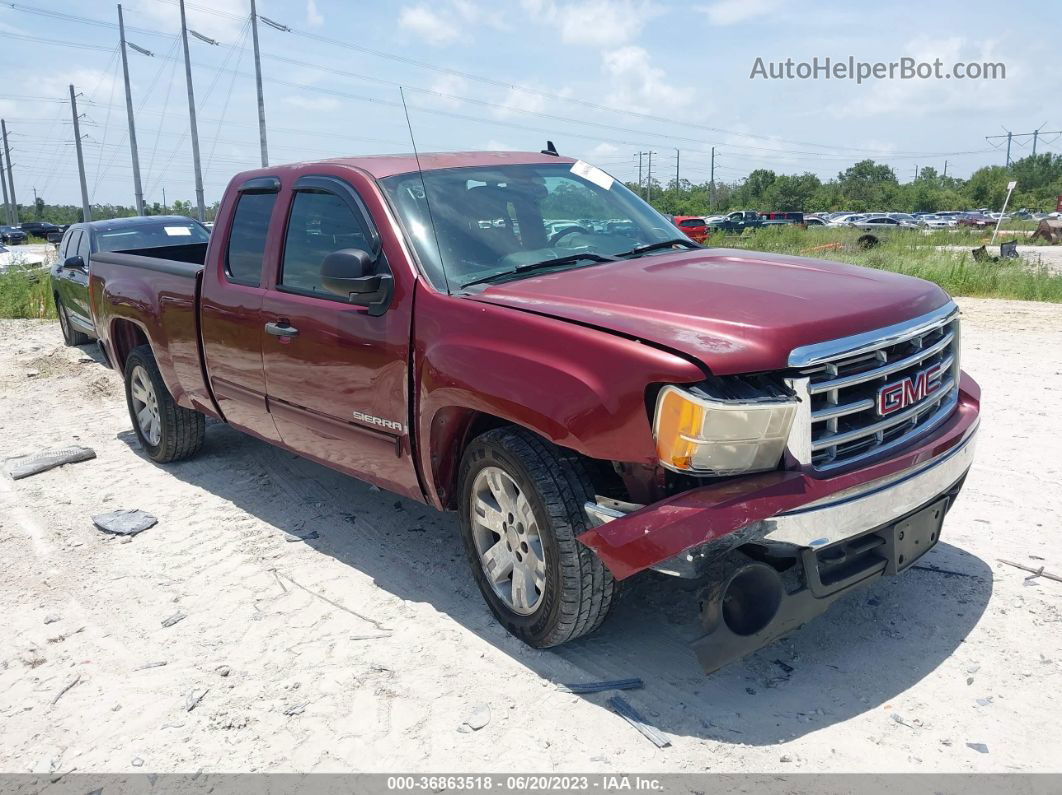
(735, 311)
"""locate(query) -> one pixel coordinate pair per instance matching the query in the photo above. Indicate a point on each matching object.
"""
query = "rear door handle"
(281, 329)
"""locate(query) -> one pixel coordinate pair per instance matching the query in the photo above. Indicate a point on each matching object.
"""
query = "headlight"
(723, 427)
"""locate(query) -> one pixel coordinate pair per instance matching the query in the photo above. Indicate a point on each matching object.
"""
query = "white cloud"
(597, 23)
(422, 21)
(637, 84)
(451, 86)
(731, 12)
(313, 103)
(93, 84)
(313, 16)
(494, 145)
(520, 99)
(224, 27)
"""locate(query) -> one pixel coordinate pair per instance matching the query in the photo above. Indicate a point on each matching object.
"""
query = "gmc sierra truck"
(593, 401)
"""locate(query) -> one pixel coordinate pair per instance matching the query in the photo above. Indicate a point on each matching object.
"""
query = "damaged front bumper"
(777, 549)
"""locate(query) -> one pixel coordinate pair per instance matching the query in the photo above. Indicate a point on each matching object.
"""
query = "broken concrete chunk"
(981, 748)
(169, 622)
(35, 463)
(479, 718)
(124, 522)
(191, 701)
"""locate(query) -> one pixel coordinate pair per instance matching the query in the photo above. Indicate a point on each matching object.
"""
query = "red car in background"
(976, 220)
(695, 227)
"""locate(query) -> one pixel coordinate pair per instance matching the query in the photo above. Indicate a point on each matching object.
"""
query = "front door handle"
(281, 329)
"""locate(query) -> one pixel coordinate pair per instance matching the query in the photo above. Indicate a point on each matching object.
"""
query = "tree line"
(868, 186)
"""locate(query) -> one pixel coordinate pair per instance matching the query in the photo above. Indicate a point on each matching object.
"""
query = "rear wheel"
(166, 431)
(521, 511)
(71, 336)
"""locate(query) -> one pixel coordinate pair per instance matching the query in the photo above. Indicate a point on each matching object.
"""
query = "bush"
(26, 293)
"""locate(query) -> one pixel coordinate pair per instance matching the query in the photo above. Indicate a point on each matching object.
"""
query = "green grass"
(25, 293)
(913, 254)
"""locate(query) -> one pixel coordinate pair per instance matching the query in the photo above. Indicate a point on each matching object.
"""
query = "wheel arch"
(124, 336)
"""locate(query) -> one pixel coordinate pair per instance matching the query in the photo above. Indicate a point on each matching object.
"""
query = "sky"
(603, 79)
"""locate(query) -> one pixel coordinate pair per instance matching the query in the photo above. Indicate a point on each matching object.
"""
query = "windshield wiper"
(660, 244)
(546, 263)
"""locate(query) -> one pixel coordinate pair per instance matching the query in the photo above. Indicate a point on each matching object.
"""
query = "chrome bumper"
(842, 514)
(878, 502)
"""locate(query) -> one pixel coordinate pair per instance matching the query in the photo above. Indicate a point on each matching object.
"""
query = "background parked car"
(695, 227)
(9, 258)
(872, 222)
(814, 220)
(976, 220)
(12, 235)
(69, 276)
(40, 228)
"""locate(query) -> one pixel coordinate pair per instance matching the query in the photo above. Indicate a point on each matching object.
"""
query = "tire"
(166, 431)
(573, 594)
(71, 336)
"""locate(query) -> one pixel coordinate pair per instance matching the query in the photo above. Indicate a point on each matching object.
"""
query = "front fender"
(581, 388)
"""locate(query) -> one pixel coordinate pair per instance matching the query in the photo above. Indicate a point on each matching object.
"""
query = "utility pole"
(945, 174)
(258, 85)
(191, 118)
(10, 174)
(36, 212)
(3, 183)
(138, 190)
(86, 211)
(640, 174)
(165, 208)
(678, 155)
(1035, 135)
(711, 183)
(649, 179)
(916, 173)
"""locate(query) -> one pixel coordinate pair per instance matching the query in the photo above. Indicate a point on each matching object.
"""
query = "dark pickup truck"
(593, 401)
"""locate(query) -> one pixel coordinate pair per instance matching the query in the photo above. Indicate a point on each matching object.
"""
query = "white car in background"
(18, 256)
(845, 220)
(937, 221)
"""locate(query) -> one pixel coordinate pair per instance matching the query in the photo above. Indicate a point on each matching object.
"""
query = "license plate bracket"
(909, 539)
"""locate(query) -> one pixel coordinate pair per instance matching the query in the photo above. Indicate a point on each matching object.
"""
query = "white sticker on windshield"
(178, 231)
(592, 173)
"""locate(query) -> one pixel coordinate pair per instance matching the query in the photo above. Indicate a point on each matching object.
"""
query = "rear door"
(336, 375)
(231, 305)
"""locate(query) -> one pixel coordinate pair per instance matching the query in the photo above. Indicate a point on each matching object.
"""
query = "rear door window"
(247, 240)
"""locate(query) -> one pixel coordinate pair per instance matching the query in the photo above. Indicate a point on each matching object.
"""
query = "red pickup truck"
(593, 402)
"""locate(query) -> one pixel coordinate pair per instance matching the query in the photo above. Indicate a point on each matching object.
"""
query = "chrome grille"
(841, 383)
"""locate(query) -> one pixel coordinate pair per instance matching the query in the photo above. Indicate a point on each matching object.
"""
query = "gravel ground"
(366, 647)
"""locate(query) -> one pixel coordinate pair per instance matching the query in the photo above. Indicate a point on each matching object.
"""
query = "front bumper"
(786, 507)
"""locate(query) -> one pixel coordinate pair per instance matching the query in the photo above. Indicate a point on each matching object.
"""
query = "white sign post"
(1010, 189)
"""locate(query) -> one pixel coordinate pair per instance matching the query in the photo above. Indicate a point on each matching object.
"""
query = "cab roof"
(380, 166)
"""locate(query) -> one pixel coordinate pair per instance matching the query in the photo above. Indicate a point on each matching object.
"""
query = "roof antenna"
(550, 149)
(424, 187)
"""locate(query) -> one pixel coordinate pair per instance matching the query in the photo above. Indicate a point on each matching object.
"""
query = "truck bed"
(152, 295)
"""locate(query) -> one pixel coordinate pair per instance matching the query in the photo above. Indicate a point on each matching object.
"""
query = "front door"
(336, 375)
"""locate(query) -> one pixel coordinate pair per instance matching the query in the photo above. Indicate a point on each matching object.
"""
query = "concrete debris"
(981, 748)
(479, 718)
(191, 701)
(124, 522)
(175, 618)
(35, 463)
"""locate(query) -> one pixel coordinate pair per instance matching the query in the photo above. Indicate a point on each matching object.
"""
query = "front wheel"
(521, 508)
(166, 431)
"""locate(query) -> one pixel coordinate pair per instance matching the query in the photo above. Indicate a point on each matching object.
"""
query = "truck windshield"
(170, 232)
(490, 221)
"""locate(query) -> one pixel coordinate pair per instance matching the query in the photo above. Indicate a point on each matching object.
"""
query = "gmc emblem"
(908, 391)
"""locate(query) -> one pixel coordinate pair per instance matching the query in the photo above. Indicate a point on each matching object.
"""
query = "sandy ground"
(366, 648)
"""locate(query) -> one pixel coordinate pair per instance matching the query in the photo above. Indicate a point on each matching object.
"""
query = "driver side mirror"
(74, 263)
(348, 274)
